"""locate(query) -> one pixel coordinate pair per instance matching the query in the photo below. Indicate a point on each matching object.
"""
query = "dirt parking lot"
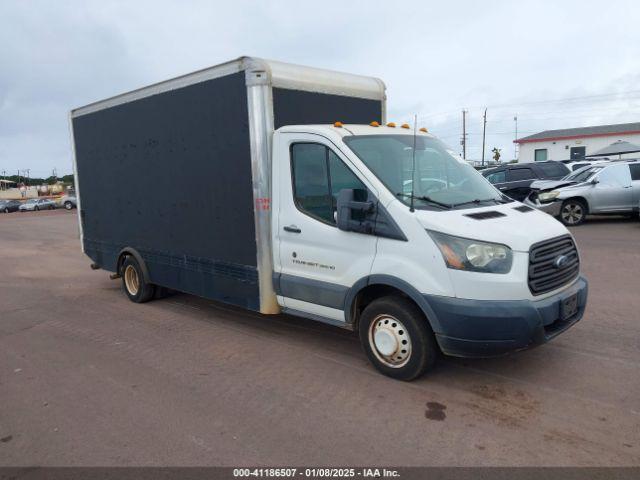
(89, 378)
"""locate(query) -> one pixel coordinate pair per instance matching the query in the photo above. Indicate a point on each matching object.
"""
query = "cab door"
(315, 262)
(613, 191)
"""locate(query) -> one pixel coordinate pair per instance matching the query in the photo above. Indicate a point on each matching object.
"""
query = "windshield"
(442, 180)
(583, 174)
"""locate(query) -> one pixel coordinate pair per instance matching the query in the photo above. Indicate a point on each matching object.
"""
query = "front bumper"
(552, 208)
(489, 328)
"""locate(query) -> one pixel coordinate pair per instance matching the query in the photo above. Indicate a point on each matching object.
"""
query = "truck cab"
(384, 230)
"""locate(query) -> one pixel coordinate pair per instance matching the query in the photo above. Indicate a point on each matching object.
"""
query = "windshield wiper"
(477, 201)
(426, 199)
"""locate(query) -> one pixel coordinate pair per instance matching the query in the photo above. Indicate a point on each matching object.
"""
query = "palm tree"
(496, 154)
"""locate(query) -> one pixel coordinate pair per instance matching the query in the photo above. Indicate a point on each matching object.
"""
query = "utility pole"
(484, 131)
(28, 170)
(515, 143)
(464, 134)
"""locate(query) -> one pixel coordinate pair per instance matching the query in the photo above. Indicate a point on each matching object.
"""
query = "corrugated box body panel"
(170, 175)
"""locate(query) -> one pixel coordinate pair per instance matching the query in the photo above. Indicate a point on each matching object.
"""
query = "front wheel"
(37, 208)
(397, 339)
(573, 212)
(135, 286)
(68, 205)
(6, 210)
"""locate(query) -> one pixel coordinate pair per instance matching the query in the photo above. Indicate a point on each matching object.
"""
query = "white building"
(575, 143)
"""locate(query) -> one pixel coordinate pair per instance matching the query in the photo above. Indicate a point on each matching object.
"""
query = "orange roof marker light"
(374, 124)
(338, 124)
(424, 130)
(391, 124)
(405, 125)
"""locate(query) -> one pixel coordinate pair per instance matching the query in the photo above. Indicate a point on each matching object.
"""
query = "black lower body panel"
(209, 278)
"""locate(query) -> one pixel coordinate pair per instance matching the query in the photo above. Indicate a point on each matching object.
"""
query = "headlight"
(473, 255)
(548, 196)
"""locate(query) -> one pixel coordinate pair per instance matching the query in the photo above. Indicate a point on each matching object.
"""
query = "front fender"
(397, 283)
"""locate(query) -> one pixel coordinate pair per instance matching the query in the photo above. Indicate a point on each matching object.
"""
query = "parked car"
(7, 206)
(609, 188)
(515, 179)
(577, 165)
(37, 204)
(69, 202)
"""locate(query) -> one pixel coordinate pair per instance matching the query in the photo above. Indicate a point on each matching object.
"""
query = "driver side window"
(497, 177)
(318, 176)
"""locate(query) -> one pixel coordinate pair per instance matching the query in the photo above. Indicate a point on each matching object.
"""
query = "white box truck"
(280, 188)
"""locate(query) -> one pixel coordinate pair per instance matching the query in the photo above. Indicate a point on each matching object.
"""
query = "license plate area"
(569, 307)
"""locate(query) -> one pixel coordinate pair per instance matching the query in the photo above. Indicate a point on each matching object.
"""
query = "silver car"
(610, 188)
(69, 202)
(37, 204)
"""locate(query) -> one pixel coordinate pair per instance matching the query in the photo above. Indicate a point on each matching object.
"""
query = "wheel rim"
(390, 341)
(131, 280)
(572, 213)
(68, 206)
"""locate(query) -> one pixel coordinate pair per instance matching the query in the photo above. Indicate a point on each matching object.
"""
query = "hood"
(551, 184)
(516, 229)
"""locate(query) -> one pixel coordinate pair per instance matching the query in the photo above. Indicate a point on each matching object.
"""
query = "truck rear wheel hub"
(131, 280)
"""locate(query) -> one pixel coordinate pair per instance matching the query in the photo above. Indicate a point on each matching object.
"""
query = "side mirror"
(594, 181)
(347, 206)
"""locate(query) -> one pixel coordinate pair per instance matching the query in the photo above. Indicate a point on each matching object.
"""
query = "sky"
(555, 64)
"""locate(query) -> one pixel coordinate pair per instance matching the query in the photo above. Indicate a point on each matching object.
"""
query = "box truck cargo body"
(280, 188)
(180, 171)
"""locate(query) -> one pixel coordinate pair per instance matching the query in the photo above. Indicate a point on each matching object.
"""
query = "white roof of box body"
(280, 75)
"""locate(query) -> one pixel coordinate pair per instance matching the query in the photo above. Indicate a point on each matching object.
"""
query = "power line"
(602, 96)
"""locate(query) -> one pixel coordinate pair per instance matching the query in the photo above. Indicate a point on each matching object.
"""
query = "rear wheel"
(137, 289)
(573, 212)
(6, 210)
(37, 208)
(68, 205)
(397, 339)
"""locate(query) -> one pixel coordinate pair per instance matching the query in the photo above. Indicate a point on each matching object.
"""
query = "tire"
(401, 327)
(6, 210)
(68, 206)
(573, 212)
(133, 282)
(36, 208)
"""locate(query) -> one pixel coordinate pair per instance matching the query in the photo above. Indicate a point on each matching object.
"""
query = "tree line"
(40, 181)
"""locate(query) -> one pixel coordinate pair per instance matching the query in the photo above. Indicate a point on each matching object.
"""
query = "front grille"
(544, 274)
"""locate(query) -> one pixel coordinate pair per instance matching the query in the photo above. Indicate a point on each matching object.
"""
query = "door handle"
(292, 229)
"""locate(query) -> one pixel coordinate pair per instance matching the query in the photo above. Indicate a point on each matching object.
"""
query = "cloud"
(436, 58)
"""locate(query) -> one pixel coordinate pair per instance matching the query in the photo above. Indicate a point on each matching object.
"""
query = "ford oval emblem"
(561, 261)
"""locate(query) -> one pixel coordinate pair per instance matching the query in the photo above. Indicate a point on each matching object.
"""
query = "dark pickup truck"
(515, 179)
